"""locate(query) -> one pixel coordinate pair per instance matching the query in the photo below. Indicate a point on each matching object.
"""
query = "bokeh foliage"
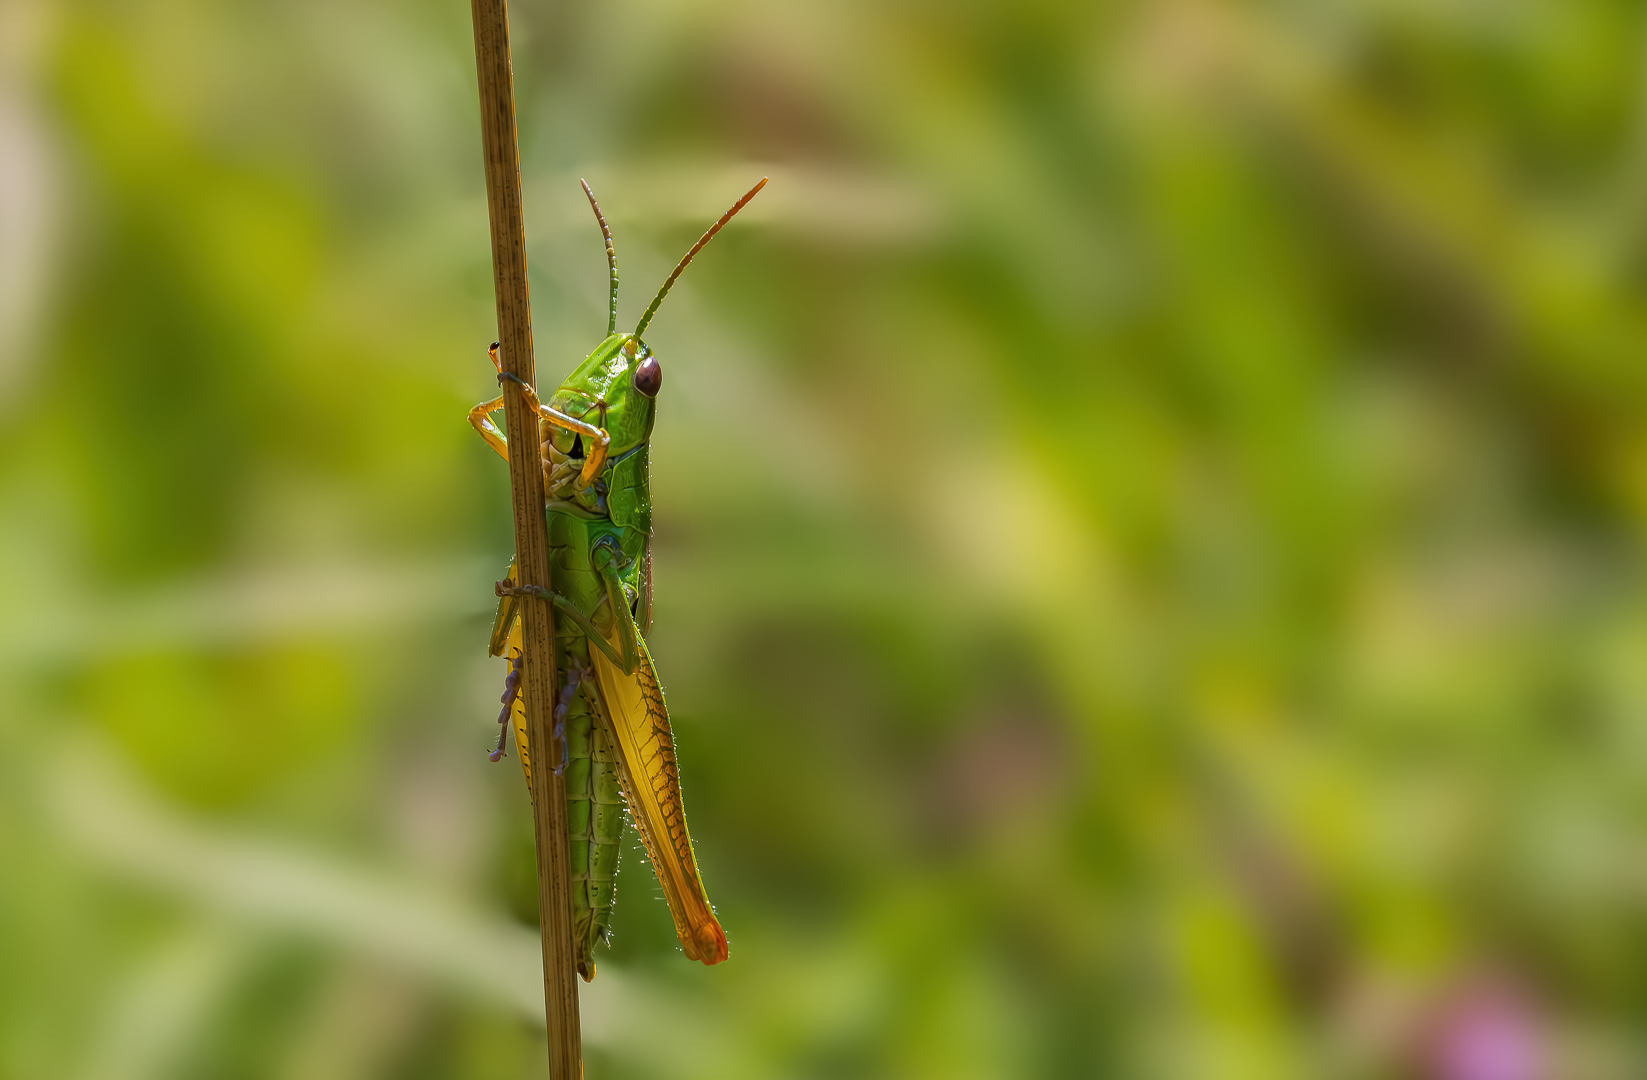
(1150, 516)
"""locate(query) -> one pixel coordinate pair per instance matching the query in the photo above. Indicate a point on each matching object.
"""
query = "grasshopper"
(610, 722)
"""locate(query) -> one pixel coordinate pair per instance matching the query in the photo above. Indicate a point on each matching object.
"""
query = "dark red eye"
(649, 376)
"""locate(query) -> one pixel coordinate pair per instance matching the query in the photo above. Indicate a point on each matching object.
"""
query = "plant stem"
(498, 138)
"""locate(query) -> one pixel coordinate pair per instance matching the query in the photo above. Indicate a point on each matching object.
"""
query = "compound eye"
(649, 376)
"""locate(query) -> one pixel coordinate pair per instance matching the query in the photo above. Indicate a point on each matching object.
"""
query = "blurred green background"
(1150, 514)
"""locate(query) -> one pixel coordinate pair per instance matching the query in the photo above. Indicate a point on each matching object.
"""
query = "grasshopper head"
(616, 386)
(615, 389)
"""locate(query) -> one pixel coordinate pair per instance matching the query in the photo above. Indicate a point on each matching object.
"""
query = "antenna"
(611, 259)
(704, 239)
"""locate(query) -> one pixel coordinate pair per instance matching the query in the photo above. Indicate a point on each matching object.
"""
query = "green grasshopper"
(610, 722)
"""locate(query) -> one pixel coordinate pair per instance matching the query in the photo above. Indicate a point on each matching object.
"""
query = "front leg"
(595, 439)
(480, 417)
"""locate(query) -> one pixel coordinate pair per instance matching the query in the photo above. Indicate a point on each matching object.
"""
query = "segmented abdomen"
(594, 799)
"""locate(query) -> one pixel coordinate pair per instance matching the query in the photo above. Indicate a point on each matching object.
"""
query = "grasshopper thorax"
(611, 396)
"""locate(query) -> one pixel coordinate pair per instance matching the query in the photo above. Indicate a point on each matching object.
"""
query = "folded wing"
(651, 784)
